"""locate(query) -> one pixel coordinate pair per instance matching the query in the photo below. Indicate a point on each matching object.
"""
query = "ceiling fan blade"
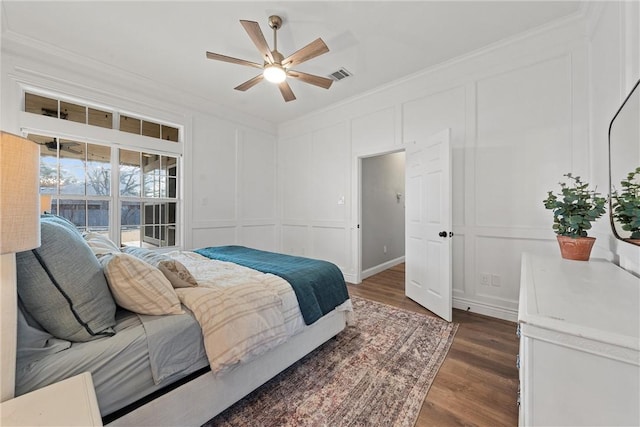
(225, 58)
(286, 91)
(313, 49)
(322, 82)
(255, 33)
(249, 83)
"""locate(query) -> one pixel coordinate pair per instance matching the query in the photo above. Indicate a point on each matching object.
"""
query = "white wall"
(234, 186)
(614, 65)
(519, 117)
(313, 181)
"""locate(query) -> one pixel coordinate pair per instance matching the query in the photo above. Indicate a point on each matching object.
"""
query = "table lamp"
(19, 231)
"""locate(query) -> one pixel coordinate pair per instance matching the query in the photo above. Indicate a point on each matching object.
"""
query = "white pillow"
(100, 244)
(138, 286)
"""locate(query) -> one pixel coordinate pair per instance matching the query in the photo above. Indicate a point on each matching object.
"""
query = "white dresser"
(579, 359)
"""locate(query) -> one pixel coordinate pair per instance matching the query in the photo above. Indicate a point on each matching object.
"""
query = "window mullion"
(86, 182)
(115, 213)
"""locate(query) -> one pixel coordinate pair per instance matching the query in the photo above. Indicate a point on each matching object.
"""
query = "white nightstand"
(71, 402)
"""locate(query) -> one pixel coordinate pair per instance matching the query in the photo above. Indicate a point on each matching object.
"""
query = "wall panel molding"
(509, 145)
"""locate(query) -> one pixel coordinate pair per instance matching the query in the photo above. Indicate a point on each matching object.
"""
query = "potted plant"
(574, 209)
(625, 204)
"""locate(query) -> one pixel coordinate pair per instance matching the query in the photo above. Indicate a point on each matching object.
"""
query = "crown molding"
(133, 87)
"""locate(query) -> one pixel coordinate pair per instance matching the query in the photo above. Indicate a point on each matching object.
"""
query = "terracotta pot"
(577, 249)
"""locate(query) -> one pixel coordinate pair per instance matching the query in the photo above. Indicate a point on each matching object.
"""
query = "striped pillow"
(173, 269)
(138, 286)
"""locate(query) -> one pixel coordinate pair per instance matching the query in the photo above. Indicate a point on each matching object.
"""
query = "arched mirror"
(624, 169)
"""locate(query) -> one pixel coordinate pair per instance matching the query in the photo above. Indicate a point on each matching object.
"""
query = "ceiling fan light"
(274, 74)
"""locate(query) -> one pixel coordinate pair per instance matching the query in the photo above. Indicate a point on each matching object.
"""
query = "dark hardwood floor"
(478, 381)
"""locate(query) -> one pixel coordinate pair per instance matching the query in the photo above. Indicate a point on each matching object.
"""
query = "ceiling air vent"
(342, 73)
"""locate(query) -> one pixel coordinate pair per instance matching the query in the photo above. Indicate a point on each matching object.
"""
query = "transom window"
(76, 112)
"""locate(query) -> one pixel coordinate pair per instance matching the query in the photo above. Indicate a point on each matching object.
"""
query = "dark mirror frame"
(634, 92)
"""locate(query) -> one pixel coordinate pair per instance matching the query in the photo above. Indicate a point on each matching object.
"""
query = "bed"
(173, 338)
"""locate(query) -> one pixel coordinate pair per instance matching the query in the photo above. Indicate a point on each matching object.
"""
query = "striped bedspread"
(319, 285)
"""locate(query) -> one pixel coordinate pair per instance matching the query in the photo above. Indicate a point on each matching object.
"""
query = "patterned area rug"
(375, 373)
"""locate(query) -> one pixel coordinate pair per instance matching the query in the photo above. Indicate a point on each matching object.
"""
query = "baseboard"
(458, 303)
(350, 278)
(486, 309)
(381, 267)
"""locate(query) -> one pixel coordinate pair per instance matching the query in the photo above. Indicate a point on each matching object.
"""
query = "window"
(148, 193)
(77, 112)
(147, 128)
(64, 110)
(128, 193)
(78, 177)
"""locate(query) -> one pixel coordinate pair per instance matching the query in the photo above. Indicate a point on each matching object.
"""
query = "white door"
(428, 223)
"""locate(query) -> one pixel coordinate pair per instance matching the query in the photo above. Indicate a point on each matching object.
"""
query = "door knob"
(442, 234)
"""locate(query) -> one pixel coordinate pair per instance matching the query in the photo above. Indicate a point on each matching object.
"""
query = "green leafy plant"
(575, 207)
(625, 204)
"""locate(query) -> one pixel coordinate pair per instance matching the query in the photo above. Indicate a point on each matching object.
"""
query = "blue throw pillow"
(62, 221)
(62, 286)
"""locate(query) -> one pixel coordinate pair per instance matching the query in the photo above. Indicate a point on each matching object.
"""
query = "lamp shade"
(19, 198)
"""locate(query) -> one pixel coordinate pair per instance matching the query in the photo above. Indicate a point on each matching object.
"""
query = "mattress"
(122, 369)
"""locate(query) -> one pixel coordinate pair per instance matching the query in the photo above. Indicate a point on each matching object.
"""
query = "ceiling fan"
(64, 146)
(276, 68)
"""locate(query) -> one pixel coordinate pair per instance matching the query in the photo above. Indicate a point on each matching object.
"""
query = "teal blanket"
(318, 285)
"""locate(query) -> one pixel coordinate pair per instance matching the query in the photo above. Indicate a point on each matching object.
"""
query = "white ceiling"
(378, 42)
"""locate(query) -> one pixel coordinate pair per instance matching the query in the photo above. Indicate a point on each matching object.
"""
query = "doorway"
(382, 212)
(427, 230)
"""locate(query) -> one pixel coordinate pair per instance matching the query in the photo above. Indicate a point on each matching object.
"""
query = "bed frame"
(207, 395)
